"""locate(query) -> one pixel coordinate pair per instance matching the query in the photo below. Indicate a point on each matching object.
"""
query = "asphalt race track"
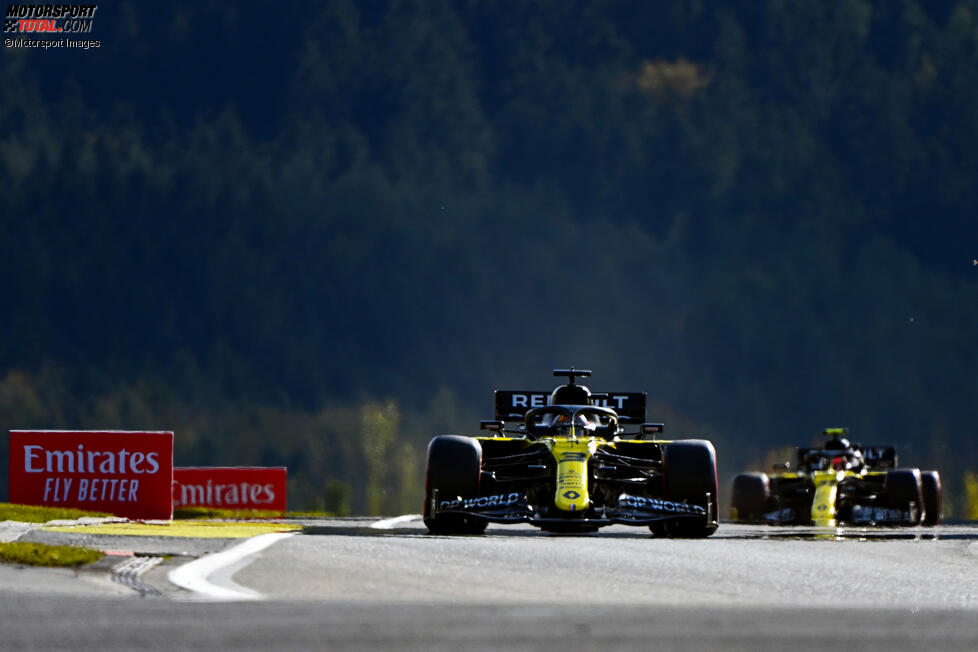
(348, 584)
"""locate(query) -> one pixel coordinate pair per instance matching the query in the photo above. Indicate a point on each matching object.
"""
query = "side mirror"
(652, 428)
(783, 466)
(494, 426)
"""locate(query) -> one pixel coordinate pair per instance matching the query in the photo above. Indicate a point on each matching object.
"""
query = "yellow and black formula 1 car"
(563, 462)
(842, 483)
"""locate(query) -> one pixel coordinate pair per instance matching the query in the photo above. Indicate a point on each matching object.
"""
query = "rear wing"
(802, 453)
(877, 457)
(512, 405)
(880, 457)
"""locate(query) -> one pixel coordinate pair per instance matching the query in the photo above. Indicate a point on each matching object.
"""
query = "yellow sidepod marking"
(195, 529)
(572, 455)
(826, 489)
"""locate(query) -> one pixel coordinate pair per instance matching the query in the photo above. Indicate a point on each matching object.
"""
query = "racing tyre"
(930, 486)
(902, 490)
(751, 494)
(454, 467)
(690, 470)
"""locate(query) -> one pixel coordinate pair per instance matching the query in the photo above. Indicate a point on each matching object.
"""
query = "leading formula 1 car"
(843, 483)
(562, 461)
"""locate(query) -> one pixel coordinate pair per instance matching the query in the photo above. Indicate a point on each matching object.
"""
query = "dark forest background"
(317, 234)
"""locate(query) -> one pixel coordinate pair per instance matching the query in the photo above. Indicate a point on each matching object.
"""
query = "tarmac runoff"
(207, 578)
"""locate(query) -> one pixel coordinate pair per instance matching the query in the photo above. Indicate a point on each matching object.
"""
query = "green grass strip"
(38, 514)
(41, 554)
(215, 512)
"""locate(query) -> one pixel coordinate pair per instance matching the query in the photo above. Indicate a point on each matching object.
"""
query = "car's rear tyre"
(930, 487)
(903, 488)
(454, 468)
(690, 474)
(751, 494)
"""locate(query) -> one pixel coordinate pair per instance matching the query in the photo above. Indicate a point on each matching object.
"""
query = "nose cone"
(571, 494)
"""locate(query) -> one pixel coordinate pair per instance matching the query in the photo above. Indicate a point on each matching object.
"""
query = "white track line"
(193, 575)
(391, 523)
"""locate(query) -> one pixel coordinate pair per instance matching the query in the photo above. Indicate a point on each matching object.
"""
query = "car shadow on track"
(961, 532)
(951, 532)
(417, 529)
(499, 532)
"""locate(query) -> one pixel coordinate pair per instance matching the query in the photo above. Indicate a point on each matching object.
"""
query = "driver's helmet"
(837, 444)
(570, 395)
(580, 422)
(846, 457)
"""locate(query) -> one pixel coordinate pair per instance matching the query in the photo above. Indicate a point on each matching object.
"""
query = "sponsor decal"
(571, 495)
(496, 500)
(569, 478)
(613, 401)
(529, 400)
(230, 487)
(511, 404)
(659, 505)
(123, 473)
(539, 399)
(867, 514)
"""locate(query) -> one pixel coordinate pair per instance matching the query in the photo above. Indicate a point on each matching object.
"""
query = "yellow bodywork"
(181, 528)
(824, 513)
(572, 454)
(826, 482)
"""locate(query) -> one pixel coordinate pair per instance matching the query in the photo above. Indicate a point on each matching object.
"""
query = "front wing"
(859, 515)
(514, 507)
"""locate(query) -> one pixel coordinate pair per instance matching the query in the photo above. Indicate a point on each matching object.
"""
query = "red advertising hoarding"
(230, 487)
(128, 474)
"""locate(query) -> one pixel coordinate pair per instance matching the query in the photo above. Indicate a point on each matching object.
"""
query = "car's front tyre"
(453, 469)
(690, 475)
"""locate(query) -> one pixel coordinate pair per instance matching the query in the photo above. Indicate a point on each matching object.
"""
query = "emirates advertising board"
(125, 473)
(230, 487)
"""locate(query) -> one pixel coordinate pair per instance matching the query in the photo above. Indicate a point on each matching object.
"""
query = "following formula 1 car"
(843, 483)
(563, 461)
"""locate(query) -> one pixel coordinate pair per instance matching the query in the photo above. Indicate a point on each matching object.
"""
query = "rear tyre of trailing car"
(453, 469)
(930, 485)
(690, 474)
(750, 497)
(903, 489)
